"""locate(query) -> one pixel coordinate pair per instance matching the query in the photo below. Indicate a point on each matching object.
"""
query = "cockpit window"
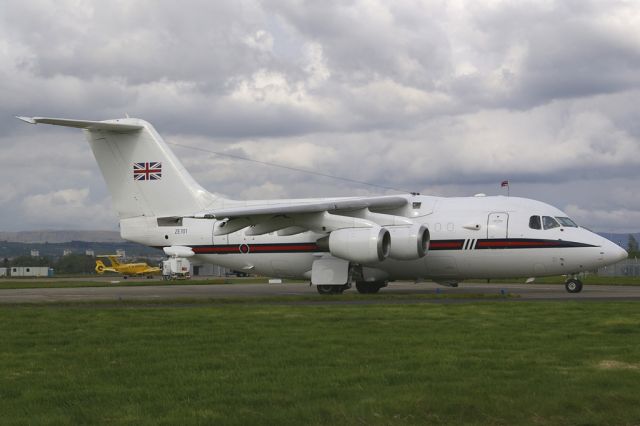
(549, 222)
(565, 221)
(534, 222)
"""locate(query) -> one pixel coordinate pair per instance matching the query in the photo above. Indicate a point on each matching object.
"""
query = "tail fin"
(142, 174)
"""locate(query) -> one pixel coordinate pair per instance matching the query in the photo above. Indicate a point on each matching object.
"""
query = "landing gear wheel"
(331, 289)
(364, 287)
(573, 285)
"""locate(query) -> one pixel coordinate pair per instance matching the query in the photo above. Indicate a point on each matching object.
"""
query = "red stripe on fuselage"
(258, 248)
(507, 243)
(446, 244)
(286, 247)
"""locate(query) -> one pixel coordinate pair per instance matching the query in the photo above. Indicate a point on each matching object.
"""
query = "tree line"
(69, 264)
(632, 247)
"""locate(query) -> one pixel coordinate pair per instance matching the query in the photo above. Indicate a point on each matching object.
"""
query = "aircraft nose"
(613, 253)
(621, 254)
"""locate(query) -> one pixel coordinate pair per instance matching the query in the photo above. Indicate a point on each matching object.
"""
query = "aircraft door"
(497, 225)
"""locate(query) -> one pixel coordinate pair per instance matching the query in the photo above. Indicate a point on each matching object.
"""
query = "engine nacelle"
(361, 245)
(409, 242)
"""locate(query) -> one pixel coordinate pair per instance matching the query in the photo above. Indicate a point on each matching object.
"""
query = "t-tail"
(145, 179)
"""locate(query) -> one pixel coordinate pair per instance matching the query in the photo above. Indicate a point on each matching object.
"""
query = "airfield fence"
(625, 268)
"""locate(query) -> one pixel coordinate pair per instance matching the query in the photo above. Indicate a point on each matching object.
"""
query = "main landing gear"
(573, 285)
(332, 289)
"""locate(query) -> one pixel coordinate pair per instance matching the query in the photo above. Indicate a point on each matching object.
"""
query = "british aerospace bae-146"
(333, 242)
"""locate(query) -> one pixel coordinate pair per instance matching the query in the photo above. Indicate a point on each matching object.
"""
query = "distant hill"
(53, 244)
(620, 239)
(11, 250)
(56, 237)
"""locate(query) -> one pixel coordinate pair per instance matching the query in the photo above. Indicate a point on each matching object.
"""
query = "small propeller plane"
(126, 269)
(333, 242)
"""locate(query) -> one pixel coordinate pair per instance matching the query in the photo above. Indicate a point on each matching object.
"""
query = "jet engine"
(409, 242)
(361, 245)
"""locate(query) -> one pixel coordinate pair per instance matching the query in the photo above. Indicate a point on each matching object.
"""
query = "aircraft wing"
(305, 207)
(292, 217)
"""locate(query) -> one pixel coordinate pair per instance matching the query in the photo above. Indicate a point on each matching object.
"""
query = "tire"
(364, 287)
(331, 289)
(573, 285)
(325, 289)
(339, 289)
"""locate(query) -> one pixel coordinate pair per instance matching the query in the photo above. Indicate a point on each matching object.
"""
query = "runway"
(486, 292)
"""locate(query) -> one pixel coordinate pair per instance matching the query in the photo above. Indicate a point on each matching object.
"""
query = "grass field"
(557, 363)
(120, 282)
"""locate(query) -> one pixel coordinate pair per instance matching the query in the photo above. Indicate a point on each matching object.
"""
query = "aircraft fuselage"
(471, 237)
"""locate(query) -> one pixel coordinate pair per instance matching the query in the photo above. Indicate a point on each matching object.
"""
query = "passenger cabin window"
(534, 222)
(549, 222)
(565, 221)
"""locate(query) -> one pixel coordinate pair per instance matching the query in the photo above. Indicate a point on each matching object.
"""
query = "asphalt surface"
(522, 292)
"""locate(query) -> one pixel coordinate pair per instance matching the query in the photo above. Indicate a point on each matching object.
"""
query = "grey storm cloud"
(445, 98)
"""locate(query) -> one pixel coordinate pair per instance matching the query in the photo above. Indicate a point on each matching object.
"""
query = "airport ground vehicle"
(176, 268)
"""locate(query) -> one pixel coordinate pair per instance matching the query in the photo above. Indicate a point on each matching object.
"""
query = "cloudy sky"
(441, 97)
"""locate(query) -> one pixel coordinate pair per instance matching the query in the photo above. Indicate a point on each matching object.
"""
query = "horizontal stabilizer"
(119, 125)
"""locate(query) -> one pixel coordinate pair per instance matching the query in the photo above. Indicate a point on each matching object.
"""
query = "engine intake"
(409, 242)
(361, 245)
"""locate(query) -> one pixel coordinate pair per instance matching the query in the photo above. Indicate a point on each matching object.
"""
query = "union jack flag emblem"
(147, 171)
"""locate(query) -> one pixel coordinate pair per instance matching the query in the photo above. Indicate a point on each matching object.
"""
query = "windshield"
(549, 222)
(565, 221)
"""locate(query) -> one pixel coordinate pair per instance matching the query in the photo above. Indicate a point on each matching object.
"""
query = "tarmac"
(485, 292)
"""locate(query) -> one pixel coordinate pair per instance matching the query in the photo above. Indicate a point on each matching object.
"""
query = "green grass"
(120, 282)
(52, 283)
(491, 363)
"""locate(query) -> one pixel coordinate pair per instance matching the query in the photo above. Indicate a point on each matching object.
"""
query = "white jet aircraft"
(333, 242)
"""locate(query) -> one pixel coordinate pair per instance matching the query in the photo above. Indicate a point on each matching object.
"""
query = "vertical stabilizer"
(143, 175)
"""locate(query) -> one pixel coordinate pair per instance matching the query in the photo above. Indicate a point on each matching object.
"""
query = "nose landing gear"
(573, 285)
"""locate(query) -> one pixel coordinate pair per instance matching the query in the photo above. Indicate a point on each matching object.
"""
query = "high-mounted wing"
(305, 207)
(291, 217)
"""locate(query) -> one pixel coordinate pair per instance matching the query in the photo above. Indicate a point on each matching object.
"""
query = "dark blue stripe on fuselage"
(434, 245)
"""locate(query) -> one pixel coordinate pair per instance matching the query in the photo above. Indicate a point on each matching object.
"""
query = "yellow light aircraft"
(126, 269)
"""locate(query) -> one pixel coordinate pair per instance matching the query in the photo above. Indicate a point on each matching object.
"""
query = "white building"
(31, 271)
(35, 253)
(3, 272)
(208, 270)
(90, 252)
